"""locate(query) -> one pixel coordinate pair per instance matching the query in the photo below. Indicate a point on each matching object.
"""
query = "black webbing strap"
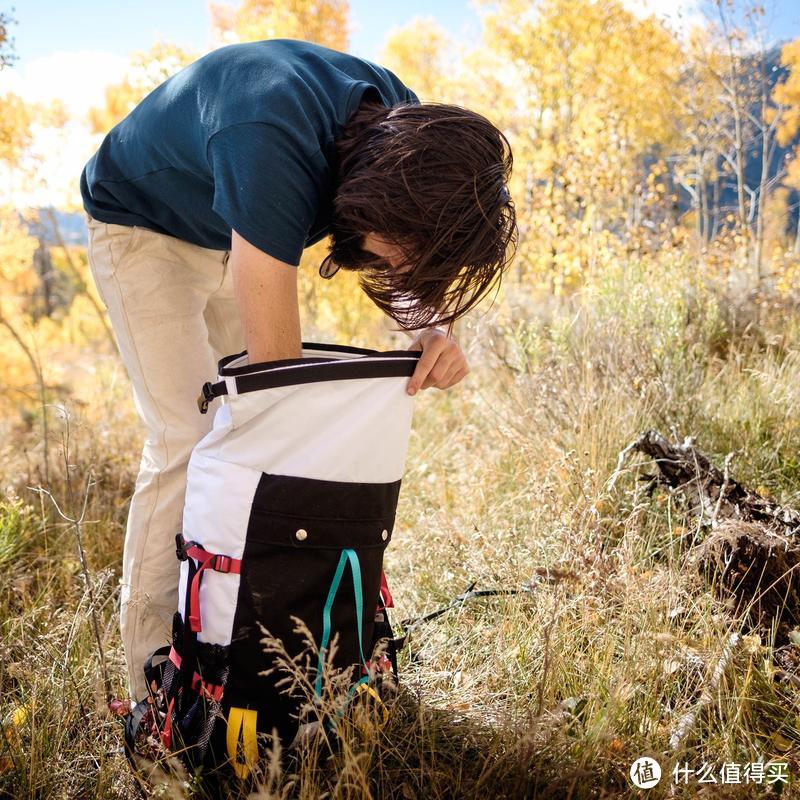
(391, 364)
(470, 594)
(132, 724)
(155, 674)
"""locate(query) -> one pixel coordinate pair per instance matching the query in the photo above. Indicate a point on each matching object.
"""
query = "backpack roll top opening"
(319, 363)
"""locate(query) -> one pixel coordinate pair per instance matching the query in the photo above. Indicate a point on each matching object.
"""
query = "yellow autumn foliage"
(421, 53)
(17, 247)
(587, 89)
(15, 127)
(787, 95)
(325, 22)
(148, 69)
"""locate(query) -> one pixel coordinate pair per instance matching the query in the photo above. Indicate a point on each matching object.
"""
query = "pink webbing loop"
(215, 561)
(386, 595)
(175, 657)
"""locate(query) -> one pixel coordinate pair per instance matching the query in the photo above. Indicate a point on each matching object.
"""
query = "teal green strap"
(354, 687)
(355, 568)
(326, 619)
(351, 557)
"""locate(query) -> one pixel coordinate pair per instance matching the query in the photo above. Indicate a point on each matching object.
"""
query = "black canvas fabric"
(284, 578)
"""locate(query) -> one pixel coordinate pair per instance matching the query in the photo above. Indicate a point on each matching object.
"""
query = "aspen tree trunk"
(738, 132)
(765, 159)
(715, 208)
(701, 190)
(762, 195)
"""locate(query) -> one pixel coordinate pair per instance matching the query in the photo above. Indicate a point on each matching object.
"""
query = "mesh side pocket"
(192, 684)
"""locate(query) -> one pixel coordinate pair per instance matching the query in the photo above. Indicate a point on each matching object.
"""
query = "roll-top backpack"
(290, 504)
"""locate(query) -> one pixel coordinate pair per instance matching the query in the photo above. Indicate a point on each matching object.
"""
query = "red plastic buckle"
(166, 734)
(214, 561)
(383, 664)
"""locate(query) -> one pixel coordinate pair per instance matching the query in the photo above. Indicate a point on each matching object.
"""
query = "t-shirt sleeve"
(411, 97)
(266, 187)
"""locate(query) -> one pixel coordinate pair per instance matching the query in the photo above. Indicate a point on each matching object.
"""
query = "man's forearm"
(266, 294)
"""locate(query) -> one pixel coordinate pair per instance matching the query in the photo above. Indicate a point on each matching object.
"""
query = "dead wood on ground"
(747, 545)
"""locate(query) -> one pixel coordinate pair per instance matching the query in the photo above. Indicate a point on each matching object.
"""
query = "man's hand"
(442, 363)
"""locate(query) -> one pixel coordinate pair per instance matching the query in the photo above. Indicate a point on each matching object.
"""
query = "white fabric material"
(217, 511)
(307, 430)
(351, 430)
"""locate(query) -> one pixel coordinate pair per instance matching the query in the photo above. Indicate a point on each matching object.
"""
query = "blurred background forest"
(656, 284)
(629, 140)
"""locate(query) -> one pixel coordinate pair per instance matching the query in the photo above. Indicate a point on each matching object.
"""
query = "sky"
(72, 50)
(45, 25)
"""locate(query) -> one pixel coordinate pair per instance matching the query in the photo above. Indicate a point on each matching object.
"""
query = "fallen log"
(749, 548)
(712, 494)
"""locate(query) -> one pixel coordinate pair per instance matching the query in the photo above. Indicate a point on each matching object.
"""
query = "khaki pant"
(173, 311)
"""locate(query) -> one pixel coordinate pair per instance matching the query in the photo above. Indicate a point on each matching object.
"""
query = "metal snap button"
(301, 535)
(384, 534)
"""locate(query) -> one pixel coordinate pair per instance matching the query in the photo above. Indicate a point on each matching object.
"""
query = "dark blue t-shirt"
(242, 139)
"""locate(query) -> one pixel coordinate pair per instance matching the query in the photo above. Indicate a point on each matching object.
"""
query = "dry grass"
(549, 693)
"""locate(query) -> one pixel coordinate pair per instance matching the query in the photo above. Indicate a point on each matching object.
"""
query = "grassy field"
(549, 693)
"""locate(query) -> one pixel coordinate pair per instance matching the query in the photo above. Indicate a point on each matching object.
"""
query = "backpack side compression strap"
(207, 560)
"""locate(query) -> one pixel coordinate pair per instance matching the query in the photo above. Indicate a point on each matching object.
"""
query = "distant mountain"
(72, 227)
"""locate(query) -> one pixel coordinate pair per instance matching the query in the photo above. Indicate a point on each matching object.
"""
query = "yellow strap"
(244, 720)
(365, 687)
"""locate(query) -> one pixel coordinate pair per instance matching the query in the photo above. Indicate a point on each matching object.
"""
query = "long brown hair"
(432, 179)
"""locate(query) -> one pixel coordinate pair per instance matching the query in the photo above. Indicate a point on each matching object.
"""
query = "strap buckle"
(206, 396)
(210, 691)
(180, 547)
(222, 563)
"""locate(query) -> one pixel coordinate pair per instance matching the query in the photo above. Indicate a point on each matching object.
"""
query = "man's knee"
(169, 451)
